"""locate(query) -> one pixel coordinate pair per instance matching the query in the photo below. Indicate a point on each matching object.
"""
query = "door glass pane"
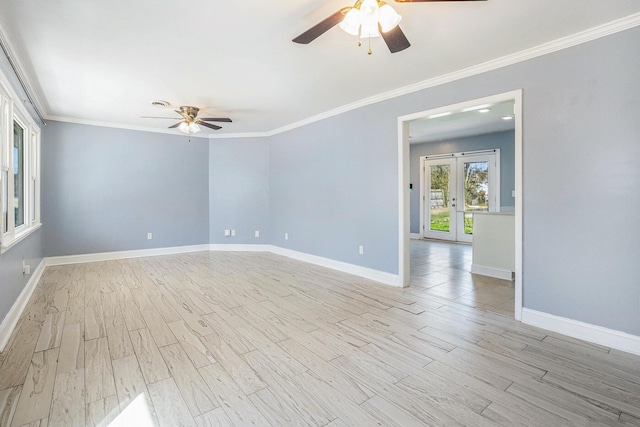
(18, 173)
(439, 218)
(476, 191)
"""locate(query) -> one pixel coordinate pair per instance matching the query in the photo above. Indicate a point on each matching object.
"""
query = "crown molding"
(33, 89)
(591, 34)
(594, 33)
(239, 135)
(121, 126)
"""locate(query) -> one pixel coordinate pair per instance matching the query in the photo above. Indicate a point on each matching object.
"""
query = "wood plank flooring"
(443, 269)
(236, 339)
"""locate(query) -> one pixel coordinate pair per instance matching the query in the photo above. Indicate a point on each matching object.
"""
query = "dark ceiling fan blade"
(211, 119)
(209, 125)
(175, 126)
(395, 40)
(424, 1)
(322, 27)
(185, 115)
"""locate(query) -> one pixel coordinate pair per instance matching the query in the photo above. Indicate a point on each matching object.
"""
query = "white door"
(440, 199)
(456, 187)
(477, 191)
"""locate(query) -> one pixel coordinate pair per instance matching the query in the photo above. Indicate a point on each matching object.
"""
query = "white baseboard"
(11, 319)
(585, 331)
(365, 272)
(239, 248)
(415, 236)
(492, 272)
(110, 256)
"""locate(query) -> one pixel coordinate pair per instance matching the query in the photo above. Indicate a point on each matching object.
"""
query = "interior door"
(440, 199)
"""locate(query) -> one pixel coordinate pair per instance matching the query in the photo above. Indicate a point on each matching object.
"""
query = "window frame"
(12, 111)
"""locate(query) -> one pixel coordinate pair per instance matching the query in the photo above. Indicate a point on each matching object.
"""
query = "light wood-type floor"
(443, 269)
(242, 339)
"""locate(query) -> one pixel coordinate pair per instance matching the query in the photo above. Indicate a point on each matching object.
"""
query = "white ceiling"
(460, 123)
(105, 61)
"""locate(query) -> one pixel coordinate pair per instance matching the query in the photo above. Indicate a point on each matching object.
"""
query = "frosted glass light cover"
(351, 22)
(389, 19)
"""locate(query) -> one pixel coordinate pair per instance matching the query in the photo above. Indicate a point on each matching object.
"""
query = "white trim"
(11, 50)
(585, 36)
(584, 331)
(498, 273)
(404, 203)
(594, 33)
(77, 121)
(239, 135)
(239, 248)
(11, 319)
(403, 183)
(365, 272)
(19, 237)
(415, 236)
(110, 256)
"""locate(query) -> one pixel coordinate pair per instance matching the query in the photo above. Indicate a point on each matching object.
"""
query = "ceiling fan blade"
(395, 40)
(175, 126)
(185, 115)
(322, 27)
(211, 119)
(209, 125)
(424, 1)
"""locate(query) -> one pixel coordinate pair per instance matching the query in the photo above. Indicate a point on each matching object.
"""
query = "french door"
(456, 187)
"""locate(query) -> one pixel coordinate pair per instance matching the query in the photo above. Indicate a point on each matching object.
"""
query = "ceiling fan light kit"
(367, 19)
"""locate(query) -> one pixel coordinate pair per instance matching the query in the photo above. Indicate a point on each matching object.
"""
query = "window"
(19, 170)
(18, 174)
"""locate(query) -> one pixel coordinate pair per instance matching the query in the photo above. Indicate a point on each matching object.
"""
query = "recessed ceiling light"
(160, 104)
(477, 107)
(484, 110)
(507, 118)
(435, 116)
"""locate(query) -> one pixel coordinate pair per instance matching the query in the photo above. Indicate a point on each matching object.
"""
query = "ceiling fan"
(367, 18)
(190, 122)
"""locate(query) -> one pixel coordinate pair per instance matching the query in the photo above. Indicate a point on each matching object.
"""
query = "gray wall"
(334, 187)
(333, 183)
(239, 190)
(104, 189)
(12, 281)
(505, 141)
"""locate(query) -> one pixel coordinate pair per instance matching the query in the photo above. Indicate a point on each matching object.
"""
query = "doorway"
(455, 186)
(404, 184)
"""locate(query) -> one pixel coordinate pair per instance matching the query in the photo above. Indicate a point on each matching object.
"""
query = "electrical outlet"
(149, 236)
(257, 233)
(233, 233)
(286, 236)
(26, 268)
(227, 233)
(361, 250)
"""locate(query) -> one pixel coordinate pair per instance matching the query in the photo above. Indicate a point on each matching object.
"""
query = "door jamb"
(403, 186)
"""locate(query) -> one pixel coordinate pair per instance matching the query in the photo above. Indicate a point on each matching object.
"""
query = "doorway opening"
(404, 251)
